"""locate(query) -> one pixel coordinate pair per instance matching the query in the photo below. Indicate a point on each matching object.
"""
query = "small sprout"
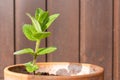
(30, 67)
(36, 32)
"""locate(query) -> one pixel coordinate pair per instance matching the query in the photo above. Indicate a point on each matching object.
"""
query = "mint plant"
(36, 32)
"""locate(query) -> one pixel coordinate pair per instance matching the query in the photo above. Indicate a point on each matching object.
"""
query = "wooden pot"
(65, 70)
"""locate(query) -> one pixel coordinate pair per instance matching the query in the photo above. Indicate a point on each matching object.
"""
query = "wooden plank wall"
(65, 31)
(6, 34)
(86, 31)
(116, 73)
(96, 34)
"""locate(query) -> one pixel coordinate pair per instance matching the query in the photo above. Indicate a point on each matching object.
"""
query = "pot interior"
(64, 69)
(69, 69)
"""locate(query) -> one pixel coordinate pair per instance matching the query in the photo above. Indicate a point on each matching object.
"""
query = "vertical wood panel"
(22, 7)
(96, 34)
(6, 34)
(116, 40)
(65, 30)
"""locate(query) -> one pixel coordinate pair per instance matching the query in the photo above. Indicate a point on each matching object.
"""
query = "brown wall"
(86, 31)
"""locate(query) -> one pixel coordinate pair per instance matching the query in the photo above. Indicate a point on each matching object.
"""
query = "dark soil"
(21, 69)
(45, 73)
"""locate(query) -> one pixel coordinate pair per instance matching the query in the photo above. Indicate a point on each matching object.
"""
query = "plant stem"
(36, 48)
(37, 45)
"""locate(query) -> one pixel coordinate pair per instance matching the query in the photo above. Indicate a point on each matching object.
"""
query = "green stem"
(37, 45)
(34, 60)
(36, 49)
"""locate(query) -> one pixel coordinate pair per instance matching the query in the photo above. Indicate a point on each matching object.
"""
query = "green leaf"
(30, 67)
(24, 51)
(43, 51)
(28, 31)
(41, 35)
(42, 17)
(38, 13)
(44, 20)
(51, 20)
(35, 23)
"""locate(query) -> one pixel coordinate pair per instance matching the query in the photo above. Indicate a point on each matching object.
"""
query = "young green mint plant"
(36, 32)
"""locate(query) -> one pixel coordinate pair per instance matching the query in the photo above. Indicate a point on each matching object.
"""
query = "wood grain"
(65, 30)
(116, 73)
(95, 40)
(6, 34)
(96, 34)
(22, 7)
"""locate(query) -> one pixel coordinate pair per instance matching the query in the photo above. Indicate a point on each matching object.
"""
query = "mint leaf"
(24, 51)
(43, 51)
(38, 13)
(35, 23)
(41, 35)
(28, 31)
(51, 20)
(30, 67)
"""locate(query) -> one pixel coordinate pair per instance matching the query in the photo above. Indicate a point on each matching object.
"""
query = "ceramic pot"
(62, 70)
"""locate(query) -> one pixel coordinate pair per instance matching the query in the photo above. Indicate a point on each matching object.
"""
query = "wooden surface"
(86, 31)
(116, 74)
(96, 34)
(65, 30)
(23, 7)
(6, 34)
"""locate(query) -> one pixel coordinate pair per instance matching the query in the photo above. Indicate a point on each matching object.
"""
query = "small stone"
(74, 68)
(62, 72)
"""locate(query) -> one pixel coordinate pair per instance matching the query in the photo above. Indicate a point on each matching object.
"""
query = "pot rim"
(101, 71)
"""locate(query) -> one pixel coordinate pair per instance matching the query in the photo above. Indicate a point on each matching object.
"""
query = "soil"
(21, 69)
(45, 74)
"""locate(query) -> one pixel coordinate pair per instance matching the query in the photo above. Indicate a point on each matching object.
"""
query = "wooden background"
(86, 31)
